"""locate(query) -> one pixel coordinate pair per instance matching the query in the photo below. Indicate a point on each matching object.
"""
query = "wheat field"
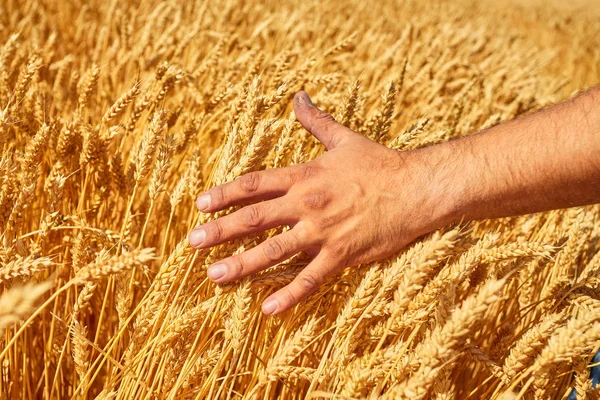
(116, 115)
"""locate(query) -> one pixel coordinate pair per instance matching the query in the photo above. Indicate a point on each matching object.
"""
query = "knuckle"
(249, 183)
(303, 172)
(308, 281)
(294, 235)
(316, 200)
(219, 195)
(309, 171)
(292, 296)
(217, 230)
(274, 250)
(323, 119)
(340, 249)
(301, 234)
(238, 265)
(253, 216)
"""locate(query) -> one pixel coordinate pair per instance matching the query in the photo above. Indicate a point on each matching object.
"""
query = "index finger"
(249, 188)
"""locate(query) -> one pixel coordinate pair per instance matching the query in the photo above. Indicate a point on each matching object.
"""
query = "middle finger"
(250, 219)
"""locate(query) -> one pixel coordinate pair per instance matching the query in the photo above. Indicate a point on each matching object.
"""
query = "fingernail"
(197, 236)
(304, 99)
(216, 271)
(203, 202)
(270, 306)
(308, 100)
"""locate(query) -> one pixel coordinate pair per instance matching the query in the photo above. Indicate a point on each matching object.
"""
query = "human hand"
(358, 202)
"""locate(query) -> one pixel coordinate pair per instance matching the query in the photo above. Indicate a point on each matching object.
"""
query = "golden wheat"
(115, 116)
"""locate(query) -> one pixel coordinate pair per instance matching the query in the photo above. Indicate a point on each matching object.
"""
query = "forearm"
(546, 160)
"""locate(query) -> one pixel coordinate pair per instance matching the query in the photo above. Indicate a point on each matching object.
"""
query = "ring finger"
(270, 252)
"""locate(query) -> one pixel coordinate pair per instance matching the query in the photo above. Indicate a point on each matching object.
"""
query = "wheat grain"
(19, 302)
(113, 265)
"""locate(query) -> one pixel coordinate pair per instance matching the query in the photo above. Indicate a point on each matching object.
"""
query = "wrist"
(447, 182)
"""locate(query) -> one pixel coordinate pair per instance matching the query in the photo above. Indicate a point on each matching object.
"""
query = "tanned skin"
(361, 201)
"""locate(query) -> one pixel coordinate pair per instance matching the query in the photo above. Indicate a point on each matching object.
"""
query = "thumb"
(320, 124)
